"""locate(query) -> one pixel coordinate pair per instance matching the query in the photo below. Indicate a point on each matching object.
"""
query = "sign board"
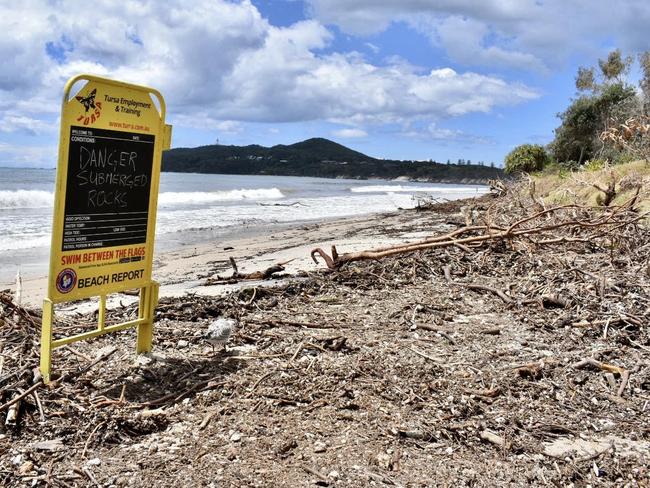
(106, 191)
(110, 148)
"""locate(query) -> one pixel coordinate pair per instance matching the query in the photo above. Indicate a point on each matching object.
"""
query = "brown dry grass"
(559, 188)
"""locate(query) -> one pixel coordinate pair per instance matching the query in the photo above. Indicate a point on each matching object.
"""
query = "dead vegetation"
(609, 185)
(560, 224)
(237, 276)
(630, 136)
(522, 357)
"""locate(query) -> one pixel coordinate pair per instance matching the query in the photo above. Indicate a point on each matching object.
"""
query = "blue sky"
(400, 79)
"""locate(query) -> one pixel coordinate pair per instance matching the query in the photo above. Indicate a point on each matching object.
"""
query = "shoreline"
(182, 268)
(179, 226)
(403, 178)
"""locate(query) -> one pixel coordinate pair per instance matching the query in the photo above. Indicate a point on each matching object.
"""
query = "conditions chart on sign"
(108, 186)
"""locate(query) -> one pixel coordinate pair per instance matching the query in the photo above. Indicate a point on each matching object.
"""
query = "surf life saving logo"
(66, 280)
(92, 108)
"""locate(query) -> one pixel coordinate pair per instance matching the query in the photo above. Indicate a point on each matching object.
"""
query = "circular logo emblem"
(66, 280)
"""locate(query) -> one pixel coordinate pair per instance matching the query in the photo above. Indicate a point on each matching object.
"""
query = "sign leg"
(46, 340)
(148, 303)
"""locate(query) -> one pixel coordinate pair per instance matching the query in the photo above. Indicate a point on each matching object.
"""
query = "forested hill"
(315, 157)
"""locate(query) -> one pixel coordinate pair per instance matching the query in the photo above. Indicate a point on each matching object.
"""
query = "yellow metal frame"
(148, 287)
(144, 324)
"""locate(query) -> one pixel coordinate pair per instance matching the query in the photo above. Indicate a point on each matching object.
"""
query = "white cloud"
(435, 133)
(205, 120)
(350, 133)
(366, 17)
(185, 51)
(12, 122)
(526, 34)
(230, 127)
(373, 47)
(286, 82)
(464, 41)
(220, 63)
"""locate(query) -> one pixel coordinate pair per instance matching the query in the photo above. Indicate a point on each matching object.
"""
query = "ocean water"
(203, 207)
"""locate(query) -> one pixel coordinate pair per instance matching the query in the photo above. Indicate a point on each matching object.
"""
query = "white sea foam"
(201, 198)
(409, 189)
(14, 243)
(183, 219)
(26, 199)
(45, 199)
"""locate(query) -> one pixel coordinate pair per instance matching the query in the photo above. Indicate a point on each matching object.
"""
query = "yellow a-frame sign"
(108, 173)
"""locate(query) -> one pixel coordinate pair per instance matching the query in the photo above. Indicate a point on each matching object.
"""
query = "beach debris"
(498, 187)
(406, 375)
(48, 445)
(578, 223)
(320, 446)
(497, 440)
(288, 204)
(589, 449)
(609, 368)
(237, 276)
(18, 293)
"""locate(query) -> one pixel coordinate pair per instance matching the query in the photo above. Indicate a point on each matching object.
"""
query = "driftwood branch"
(237, 276)
(469, 236)
(609, 369)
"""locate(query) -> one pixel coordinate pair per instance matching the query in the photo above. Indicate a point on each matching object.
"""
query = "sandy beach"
(185, 269)
(522, 360)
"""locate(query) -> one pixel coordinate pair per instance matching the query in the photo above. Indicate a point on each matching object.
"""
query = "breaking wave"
(199, 198)
(44, 199)
(16, 242)
(26, 199)
(408, 189)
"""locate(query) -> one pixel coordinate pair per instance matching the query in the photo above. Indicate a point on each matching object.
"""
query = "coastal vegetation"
(526, 158)
(317, 157)
(606, 123)
(595, 185)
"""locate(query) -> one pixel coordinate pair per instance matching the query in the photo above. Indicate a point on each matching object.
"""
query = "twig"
(495, 439)
(640, 346)
(77, 353)
(499, 293)
(176, 397)
(259, 356)
(87, 443)
(625, 376)
(291, 323)
(447, 271)
(12, 414)
(206, 420)
(28, 391)
(237, 276)
(252, 297)
(430, 358)
(39, 404)
(262, 378)
(315, 472)
(597, 364)
(74, 374)
(295, 354)
(87, 472)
